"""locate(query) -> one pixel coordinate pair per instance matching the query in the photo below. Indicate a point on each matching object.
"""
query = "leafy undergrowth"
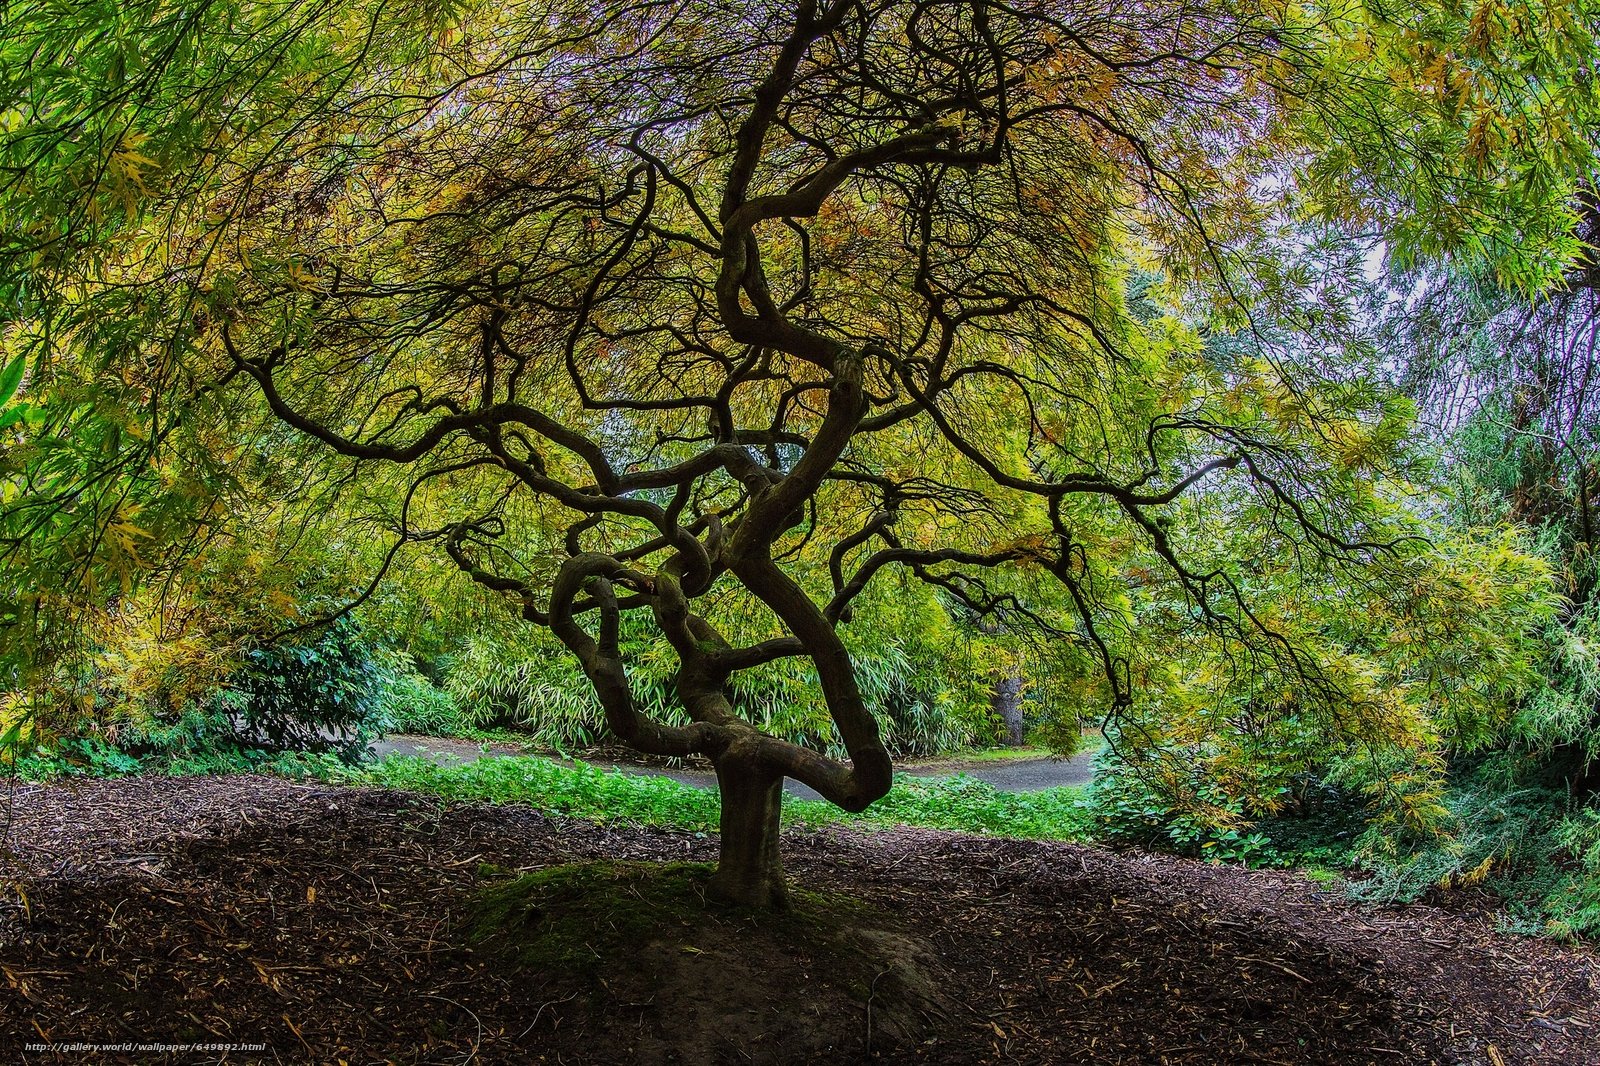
(1533, 850)
(958, 803)
(1002, 754)
(196, 742)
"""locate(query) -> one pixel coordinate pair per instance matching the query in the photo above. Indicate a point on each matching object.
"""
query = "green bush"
(82, 756)
(1490, 839)
(1129, 807)
(1535, 848)
(535, 688)
(194, 742)
(1571, 907)
(325, 694)
(410, 703)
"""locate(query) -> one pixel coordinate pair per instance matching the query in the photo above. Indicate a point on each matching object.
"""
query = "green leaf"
(11, 377)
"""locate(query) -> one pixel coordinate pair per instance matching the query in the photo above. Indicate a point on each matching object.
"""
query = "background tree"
(1510, 383)
(1505, 380)
(633, 308)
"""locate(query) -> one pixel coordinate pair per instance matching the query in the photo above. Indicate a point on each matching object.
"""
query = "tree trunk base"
(762, 893)
(750, 870)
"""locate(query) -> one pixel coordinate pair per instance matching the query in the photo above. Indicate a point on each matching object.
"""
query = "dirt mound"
(705, 981)
(333, 924)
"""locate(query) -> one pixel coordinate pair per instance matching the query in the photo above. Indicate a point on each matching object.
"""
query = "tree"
(633, 307)
(1516, 375)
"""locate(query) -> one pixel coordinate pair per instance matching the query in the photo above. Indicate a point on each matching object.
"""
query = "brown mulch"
(325, 922)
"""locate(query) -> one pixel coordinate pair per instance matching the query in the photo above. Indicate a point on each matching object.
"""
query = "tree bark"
(1006, 700)
(750, 869)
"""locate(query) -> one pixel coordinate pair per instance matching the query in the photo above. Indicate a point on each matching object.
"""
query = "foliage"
(413, 704)
(493, 683)
(1572, 907)
(194, 742)
(1460, 84)
(324, 694)
(72, 756)
(1521, 798)
(1509, 380)
(1543, 762)
(915, 670)
(1128, 811)
(581, 790)
(686, 331)
(181, 699)
(1213, 747)
(951, 803)
(968, 805)
(1532, 847)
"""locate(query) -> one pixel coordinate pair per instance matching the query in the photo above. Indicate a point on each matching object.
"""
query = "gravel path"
(1008, 775)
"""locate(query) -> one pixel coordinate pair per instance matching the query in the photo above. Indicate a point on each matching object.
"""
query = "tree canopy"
(716, 315)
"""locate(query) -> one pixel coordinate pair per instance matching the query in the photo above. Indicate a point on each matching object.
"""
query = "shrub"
(195, 742)
(1513, 833)
(410, 703)
(1126, 812)
(325, 694)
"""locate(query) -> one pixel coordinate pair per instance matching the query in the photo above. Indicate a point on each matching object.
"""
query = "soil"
(331, 924)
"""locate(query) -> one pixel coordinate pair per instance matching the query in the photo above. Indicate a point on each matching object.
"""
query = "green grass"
(1090, 742)
(991, 755)
(957, 803)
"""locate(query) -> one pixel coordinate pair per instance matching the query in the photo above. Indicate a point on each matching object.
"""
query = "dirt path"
(326, 924)
(1008, 775)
